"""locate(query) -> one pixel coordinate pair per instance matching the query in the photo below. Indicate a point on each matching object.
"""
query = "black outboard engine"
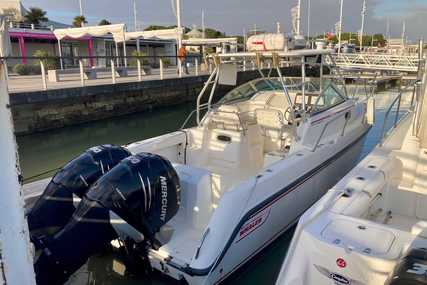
(54, 208)
(412, 270)
(143, 190)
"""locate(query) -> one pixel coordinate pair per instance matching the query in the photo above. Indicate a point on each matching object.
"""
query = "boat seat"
(226, 117)
(196, 196)
(274, 128)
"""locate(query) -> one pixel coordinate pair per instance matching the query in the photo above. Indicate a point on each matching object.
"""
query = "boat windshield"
(249, 89)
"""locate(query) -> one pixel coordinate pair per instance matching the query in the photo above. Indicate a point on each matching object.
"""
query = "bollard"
(138, 62)
(210, 67)
(244, 65)
(113, 71)
(253, 65)
(161, 69)
(82, 75)
(196, 63)
(43, 70)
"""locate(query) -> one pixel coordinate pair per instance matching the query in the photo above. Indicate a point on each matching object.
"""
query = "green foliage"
(133, 61)
(158, 27)
(213, 34)
(104, 22)
(79, 21)
(25, 69)
(49, 63)
(35, 16)
(166, 61)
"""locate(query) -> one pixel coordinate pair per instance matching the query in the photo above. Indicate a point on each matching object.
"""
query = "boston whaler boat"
(198, 203)
(371, 228)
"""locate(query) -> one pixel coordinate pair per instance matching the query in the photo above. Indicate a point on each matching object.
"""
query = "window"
(328, 99)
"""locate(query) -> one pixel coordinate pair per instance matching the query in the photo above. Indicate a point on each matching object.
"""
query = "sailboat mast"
(340, 26)
(299, 18)
(362, 29)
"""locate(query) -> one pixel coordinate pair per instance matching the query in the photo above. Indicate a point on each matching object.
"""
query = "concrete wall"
(45, 110)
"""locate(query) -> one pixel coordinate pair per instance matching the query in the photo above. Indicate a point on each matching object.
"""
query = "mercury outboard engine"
(411, 270)
(54, 208)
(143, 190)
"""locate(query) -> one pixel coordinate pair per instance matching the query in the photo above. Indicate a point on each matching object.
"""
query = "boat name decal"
(253, 223)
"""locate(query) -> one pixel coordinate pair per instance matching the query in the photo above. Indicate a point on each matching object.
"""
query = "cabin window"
(328, 99)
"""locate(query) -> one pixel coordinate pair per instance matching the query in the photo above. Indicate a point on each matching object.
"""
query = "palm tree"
(79, 21)
(35, 16)
(104, 22)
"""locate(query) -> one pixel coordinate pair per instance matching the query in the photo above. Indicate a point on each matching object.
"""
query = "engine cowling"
(143, 190)
(54, 208)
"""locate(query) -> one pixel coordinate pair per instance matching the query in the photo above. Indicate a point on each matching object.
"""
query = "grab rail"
(398, 101)
(326, 126)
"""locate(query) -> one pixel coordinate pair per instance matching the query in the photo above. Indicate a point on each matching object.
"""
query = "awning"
(169, 34)
(118, 31)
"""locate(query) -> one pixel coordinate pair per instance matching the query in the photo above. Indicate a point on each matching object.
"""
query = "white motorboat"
(371, 228)
(245, 173)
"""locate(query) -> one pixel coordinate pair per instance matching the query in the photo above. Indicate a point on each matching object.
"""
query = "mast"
(308, 19)
(135, 16)
(299, 18)
(362, 29)
(81, 11)
(340, 26)
(179, 26)
(16, 261)
(404, 33)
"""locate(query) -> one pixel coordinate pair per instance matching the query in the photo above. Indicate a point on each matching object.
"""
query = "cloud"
(232, 16)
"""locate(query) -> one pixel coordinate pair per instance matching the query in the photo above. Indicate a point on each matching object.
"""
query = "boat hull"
(265, 222)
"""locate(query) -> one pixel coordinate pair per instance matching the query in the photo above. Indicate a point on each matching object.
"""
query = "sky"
(233, 16)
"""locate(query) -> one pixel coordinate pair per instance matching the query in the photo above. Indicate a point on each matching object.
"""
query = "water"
(44, 152)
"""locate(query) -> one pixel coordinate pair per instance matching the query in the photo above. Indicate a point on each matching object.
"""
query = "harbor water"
(42, 154)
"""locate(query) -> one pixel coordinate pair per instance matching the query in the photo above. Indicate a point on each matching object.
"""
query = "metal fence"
(52, 72)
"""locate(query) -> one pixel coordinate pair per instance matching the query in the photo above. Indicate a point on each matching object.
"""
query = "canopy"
(167, 34)
(118, 32)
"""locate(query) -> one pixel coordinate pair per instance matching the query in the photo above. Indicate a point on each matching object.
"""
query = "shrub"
(49, 63)
(24, 69)
(166, 61)
(136, 53)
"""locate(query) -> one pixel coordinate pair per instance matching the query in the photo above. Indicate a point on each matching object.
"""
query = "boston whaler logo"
(337, 278)
(164, 185)
(253, 223)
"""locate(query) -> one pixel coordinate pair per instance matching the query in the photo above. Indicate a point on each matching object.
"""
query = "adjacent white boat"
(253, 164)
(371, 227)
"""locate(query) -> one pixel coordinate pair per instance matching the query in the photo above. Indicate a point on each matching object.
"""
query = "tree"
(212, 33)
(104, 22)
(35, 16)
(79, 21)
